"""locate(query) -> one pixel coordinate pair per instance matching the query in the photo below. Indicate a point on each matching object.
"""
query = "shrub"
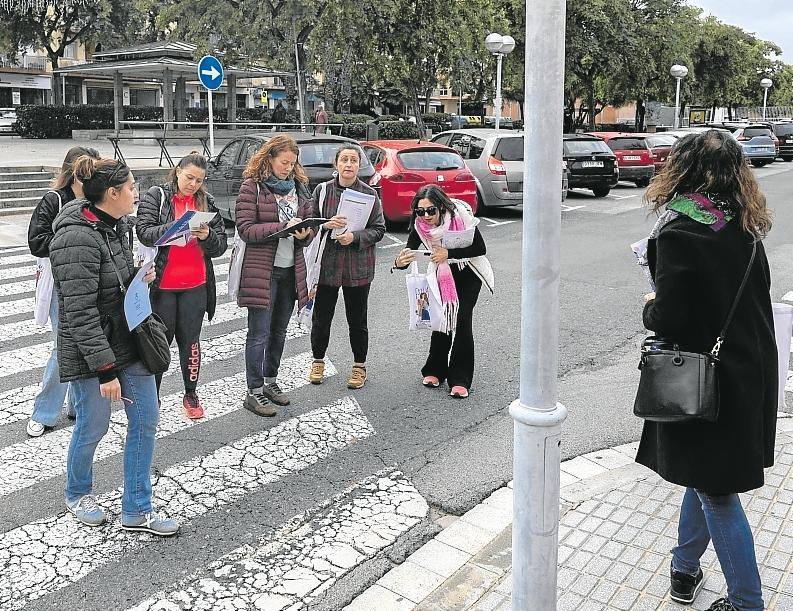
(398, 130)
(517, 124)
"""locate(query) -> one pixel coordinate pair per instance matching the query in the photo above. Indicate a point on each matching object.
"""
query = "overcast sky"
(770, 19)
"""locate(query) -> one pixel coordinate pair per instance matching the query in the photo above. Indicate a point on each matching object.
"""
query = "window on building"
(142, 97)
(70, 52)
(100, 95)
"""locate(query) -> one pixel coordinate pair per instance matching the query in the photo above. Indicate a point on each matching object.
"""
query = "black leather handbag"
(680, 386)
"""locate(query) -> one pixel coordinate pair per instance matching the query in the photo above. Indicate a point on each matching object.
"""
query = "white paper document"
(137, 306)
(357, 207)
(200, 218)
(458, 239)
(640, 251)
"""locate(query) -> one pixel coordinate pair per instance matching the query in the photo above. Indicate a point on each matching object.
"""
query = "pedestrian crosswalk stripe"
(17, 306)
(17, 259)
(17, 288)
(306, 555)
(47, 555)
(7, 273)
(17, 403)
(14, 249)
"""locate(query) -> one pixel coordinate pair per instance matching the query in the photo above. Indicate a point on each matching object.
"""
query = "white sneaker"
(35, 429)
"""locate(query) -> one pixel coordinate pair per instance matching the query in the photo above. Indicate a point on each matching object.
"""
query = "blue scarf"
(281, 187)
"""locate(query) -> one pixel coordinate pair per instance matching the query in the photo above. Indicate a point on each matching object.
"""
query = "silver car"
(495, 158)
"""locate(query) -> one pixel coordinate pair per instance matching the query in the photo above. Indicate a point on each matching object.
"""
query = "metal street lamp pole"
(537, 414)
(765, 84)
(679, 72)
(497, 113)
(499, 46)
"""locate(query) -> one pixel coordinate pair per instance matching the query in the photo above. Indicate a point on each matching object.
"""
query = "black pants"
(356, 303)
(183, 315)
(456, 368)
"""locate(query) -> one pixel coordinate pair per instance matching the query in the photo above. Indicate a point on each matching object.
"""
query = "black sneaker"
(275, 394)
(258, 404)
(723, 605)
(685, 587)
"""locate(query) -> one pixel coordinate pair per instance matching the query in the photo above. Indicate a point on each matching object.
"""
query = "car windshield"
(654, 141)
(585, 147)
(430, 160)
(751, 132)
(322, 154)
(628, 144)
(510, 149)
(783, 129)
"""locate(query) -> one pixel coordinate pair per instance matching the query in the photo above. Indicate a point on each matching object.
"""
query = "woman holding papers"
(185, 286)
(457, 268)
(65, 188)
(273, 197)
(91, 257)
(345, 259)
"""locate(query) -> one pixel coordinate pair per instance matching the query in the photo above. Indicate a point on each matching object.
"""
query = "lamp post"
(766, 83)
(679, 72)
(499, 45)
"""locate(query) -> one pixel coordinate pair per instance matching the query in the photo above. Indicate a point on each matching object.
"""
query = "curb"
(468, 557)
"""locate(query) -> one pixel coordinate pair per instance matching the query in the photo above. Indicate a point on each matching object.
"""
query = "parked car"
(503, 122)
(635, 159)
(403, 166)
(495, 158)
(749, 132)
(760, 150)
(784, 132)
(224, 172)
(660, 147)
(591, 164)
(7, 119)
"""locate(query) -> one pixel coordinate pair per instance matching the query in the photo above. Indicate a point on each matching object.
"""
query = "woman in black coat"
(698, 252)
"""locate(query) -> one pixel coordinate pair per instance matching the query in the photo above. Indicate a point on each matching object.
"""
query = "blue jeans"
(49, 401)
(719, 517)
(93, 419)
(264, 344)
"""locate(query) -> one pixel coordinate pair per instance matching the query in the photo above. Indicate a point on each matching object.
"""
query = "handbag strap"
(115, 267)
(723, 334)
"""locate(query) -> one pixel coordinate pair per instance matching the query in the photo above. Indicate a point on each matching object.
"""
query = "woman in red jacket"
(272, 197)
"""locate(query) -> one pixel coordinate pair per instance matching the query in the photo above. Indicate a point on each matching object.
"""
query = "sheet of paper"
(458, 239)
(357, 207)
(640, 251)
(137, 306)
(199, 218)
(180, 228)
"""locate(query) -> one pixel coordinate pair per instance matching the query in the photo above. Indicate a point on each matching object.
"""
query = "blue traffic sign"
(210, 72)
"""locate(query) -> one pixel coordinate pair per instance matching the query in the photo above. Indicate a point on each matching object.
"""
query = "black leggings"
(356, 302)
(183, 315)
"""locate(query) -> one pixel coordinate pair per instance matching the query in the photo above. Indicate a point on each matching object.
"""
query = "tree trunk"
(57, 87)
(414, 100)
(591, 107)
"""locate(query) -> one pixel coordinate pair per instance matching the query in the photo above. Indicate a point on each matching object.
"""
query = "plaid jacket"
(351, 265)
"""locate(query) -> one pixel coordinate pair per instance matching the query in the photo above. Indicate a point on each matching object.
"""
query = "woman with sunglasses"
(65, 188)
(91, 256)
(459, 274)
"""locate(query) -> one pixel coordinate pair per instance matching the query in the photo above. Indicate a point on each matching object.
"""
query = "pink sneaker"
(431, 381)
(459, 392)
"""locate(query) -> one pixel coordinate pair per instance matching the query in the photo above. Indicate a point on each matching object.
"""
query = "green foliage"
(398, 130)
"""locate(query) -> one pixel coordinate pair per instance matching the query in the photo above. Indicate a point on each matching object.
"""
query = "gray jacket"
(93, 334)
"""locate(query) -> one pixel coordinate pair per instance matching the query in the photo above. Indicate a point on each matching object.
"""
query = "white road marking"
(493, 223)
(395, 242)
(611, 196)
(566, 208)
(6, 273)
(788, 296)
(306, 555)
(17, 288)
(17, 306)
(16, 259)
(52, 553)
(3, 251)
(34, 460)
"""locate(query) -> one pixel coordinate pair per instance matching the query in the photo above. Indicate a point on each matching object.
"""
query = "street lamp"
(679, 72)
(499, 45)
(765, 84)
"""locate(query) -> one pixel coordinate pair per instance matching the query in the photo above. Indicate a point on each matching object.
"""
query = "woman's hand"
(201, 232)
(649, 297)
(405, 258)
(150, 275)
(302, 234)
(345, 239)
(336, 222)
(293, 221)
(439, 255)
(111, 390)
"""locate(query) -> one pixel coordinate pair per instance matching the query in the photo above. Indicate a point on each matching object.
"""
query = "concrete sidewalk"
(618, 524)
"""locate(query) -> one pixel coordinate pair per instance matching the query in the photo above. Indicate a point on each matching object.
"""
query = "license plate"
(591, 164)
(631, 158)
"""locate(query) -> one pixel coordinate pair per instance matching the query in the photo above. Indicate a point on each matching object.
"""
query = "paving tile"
(490, 602)
(566, 479)
(411, 581)
(465, 537)
(582, 467)
(505, 585)
(623, 599)
(460, 591)
(609, 459)
(783, 603)
(439, 558)
(603, 591)
(378, 597)
(489, 517)
(502, 497)
(569, 601)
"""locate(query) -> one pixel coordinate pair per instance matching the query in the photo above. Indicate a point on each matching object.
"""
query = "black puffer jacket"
(155, 216)
(93, 334)
(40, 232)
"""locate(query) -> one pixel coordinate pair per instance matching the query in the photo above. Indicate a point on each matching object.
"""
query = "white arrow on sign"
(212, 72)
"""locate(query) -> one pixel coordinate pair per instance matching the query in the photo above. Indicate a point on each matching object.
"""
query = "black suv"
(224, 174)
(590, 162)
(784, 131)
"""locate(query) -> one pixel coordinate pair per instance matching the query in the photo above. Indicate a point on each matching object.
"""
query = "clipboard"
(179, 232)
(304, 224)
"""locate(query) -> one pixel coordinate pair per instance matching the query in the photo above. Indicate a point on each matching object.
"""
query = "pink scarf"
(433, 236)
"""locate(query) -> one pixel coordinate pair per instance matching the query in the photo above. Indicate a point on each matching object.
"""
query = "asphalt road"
(444, 455)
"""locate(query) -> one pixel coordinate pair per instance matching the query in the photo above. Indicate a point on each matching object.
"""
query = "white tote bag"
(422, 301)
(143, 253)
(43, 297)
(313, 257)
(235, 267)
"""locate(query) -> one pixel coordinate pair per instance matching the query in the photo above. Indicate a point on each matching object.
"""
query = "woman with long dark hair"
(91, 257)
(459, 274)
(65, 188)
(185, 286)
(273, 197)
(711, 213)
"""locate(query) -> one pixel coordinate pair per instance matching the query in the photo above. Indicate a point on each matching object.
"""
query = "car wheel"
(601, 191)
(759, 164)
(642, 182)
(787, 158)
(481, 207)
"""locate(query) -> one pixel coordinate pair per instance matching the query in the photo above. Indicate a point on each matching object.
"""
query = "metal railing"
(24, 61)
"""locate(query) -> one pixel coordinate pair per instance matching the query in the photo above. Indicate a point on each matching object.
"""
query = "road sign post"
(210, 73)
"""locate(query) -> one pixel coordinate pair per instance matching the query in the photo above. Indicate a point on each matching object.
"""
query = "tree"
(54, 26)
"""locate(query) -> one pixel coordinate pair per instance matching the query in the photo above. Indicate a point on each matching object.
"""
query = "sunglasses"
(429, 211)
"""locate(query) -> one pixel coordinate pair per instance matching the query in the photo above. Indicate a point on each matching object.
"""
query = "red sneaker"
(192, 406)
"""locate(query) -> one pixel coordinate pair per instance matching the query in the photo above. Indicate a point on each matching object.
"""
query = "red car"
(636, 161)
(660, 147)
(402, 167)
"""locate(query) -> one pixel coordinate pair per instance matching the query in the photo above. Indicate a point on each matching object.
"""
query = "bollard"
(783, 328)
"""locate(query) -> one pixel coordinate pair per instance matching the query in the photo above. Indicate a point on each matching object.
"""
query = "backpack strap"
(60, 199)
